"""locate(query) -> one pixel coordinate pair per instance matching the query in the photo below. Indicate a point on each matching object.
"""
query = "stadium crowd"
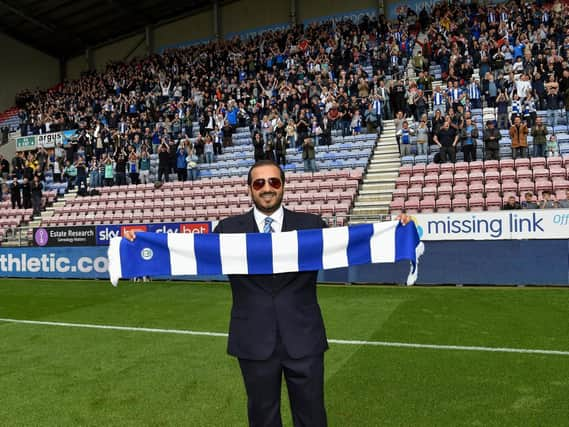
(293, 87)
(519, 51)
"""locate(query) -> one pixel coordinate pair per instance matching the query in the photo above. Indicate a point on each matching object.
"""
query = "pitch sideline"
(331, 341)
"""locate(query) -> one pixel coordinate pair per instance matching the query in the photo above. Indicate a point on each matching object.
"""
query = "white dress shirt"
(277, 217)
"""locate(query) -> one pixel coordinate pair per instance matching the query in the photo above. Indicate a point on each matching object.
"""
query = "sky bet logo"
(106, 232)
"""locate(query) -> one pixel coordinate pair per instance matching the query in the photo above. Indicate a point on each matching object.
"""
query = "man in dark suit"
(276, 325)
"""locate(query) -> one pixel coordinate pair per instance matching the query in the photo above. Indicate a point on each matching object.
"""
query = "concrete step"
(375, 172)
(368, 212)
(377, 186)
(365, 199)
(384, 163)
(387, 149)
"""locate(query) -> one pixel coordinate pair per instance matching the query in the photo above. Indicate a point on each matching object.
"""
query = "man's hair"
(264, 163)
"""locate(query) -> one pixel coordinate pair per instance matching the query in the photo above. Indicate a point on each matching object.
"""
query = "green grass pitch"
(62, 376)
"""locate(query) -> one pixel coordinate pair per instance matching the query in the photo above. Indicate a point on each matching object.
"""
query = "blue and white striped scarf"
(174, 254)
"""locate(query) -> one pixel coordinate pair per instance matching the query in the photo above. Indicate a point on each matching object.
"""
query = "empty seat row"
(480, 188)
(484, 165)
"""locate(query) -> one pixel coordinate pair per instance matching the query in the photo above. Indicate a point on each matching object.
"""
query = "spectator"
(502, 103)
(81, 177)
(18, 164)
(315, 130)
(70, 174)
(227, 131)
(552, 92)
(446, 138)
(291, 134)
(546, 201)
(422, 136)
(511, 204)
(181, 163)
(528, 203)
(109, 175)
(269, 150)
(26, 193)
(144, 167)
(539, 133)
(326, 136)
(280, 148)
(16, 193)
(132, 165)
(469, 136)
(552, 148)
(404, 135)
(121, 161)
(94, 176)
(36, 194)
(564, 203)
(385, 103)
(208, 149)
(164, 162)
(4, 168)
(56, 168)
(356, 123)
(258, 146)
(192, 165)
(491, 138)
(439, 100)
(309, 155)
(518, 135)
(217, 138)
(266, 128)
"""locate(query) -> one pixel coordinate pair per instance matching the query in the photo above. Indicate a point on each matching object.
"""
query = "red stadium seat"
(492, 165)
(476, 202)
(443, 204)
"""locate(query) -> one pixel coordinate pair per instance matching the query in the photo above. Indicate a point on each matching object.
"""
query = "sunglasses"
(275, 183)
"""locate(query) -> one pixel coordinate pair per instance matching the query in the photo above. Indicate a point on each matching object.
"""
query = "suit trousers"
(305, 383)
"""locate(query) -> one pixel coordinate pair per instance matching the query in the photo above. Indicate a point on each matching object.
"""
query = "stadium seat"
(460, 203)
(432, 178)
(509, 186)
(540, 172)
(476, 202)
(537, 162)
(492, 165)
(492, 188)
(427, 205)
(476, 176)
(476, 187)
(414, 193)
(507, 175)
(493, 202)
(443, 204)
(429, 191)
(444, 190)
(526, 185)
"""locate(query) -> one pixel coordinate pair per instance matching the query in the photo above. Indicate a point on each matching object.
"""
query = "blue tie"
(267, 228)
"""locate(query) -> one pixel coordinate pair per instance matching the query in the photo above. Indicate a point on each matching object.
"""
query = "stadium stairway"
(379, 182)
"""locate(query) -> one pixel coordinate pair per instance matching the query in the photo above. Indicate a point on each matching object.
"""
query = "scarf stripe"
(153, 254)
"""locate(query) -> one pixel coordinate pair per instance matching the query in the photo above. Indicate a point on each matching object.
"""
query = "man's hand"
(130, 235)
(403, 218)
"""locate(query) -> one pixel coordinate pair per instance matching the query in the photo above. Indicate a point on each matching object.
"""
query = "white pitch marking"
(332, 341)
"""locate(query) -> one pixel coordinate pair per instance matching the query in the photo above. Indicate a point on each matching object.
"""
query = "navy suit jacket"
(267, 303)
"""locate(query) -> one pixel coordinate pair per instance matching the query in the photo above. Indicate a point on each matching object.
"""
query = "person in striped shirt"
(439, 100)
